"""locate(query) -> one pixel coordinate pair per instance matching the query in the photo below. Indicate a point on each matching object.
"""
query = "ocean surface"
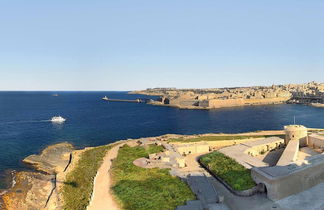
(25, 128)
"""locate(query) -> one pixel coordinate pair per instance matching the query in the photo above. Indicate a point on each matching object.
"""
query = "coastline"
(214, 108)
(224, 104)
(44, 183)
(213, 98)
(317, 105)
(27, 184)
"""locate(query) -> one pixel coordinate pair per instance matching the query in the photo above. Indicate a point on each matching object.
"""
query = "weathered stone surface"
(35, 190)
(31, 191)
(52, 159)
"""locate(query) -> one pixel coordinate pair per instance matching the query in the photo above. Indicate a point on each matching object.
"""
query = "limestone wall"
(218, 103)
(192, 148)
(296, 132)
(282, 181)
(263, 148)
(222, 143)
(316, 141)
(290, 154)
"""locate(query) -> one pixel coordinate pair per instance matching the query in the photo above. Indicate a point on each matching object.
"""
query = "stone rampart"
(219, 103)
(316, 141)
(290, 153)
(282, 181)
(223, 143)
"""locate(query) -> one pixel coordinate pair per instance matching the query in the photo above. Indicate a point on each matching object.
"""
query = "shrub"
(233, 173)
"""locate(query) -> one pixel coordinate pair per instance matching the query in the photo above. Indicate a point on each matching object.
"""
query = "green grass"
(219, 138)
(78, 185)
(233, 173)
(146, 189)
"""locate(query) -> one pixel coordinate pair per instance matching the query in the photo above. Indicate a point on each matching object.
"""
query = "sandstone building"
(241, 96)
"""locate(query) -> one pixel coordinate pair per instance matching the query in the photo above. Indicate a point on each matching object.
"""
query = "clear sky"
(132, 44)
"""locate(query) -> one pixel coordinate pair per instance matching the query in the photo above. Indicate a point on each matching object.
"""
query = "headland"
(310, 93)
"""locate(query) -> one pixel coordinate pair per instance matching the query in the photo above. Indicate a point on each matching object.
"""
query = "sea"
(25, 128)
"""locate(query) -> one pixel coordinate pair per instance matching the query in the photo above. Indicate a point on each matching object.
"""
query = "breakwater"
(138, 100)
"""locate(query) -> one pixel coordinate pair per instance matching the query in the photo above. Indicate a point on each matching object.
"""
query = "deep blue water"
(91, 121)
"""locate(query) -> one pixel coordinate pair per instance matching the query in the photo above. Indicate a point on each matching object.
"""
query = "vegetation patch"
(146, 189)
(220, 138)
(78, 185)
(233, 173)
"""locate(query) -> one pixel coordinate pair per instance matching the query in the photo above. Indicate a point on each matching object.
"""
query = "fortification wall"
(282, 181)
(316, 141)
(296, 133)
(222, 143)
(290, 154)
(218, 103)
(192, 148)
(263, 148)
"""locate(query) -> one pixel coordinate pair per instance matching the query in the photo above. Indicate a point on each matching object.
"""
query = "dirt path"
(101, 198)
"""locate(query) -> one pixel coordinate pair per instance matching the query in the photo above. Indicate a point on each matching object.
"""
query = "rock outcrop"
(53, 159)
(38, 190)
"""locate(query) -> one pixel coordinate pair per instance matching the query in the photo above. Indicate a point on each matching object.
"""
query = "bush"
(233, 173)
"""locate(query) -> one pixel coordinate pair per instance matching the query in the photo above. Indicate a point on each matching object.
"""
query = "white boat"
(58, 119)
(105, 98)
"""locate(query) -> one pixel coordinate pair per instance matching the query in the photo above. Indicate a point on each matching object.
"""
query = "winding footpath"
(101, 198)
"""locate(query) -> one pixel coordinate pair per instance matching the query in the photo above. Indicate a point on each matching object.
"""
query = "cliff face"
(227, 97)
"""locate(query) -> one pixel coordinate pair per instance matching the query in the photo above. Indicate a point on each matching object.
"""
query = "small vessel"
(55, 94)
(105, 98)
(58, 119)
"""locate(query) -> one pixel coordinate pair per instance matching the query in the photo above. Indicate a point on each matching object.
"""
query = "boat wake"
(24, 121)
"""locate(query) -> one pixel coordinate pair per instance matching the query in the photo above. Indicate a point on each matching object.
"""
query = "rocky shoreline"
(39, 189)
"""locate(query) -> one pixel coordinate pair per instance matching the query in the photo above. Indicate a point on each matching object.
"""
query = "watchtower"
(296, 133)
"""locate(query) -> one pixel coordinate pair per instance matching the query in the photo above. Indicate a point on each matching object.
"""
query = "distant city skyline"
(133, 45)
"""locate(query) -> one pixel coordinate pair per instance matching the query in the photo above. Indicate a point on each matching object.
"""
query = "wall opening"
(262, 188)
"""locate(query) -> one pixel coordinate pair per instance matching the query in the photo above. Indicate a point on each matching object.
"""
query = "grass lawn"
(78, 185)
(146, 189)
(233, 173)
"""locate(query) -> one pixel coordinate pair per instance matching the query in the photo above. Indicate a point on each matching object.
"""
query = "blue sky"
(126, 45)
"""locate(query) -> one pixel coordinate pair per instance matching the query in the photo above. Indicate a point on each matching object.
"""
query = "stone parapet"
(290, 154)
(282, 181)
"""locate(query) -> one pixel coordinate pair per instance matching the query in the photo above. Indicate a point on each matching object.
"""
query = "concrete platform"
(240, 152)
(312, 199)
(283, 181)
(290, 153)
